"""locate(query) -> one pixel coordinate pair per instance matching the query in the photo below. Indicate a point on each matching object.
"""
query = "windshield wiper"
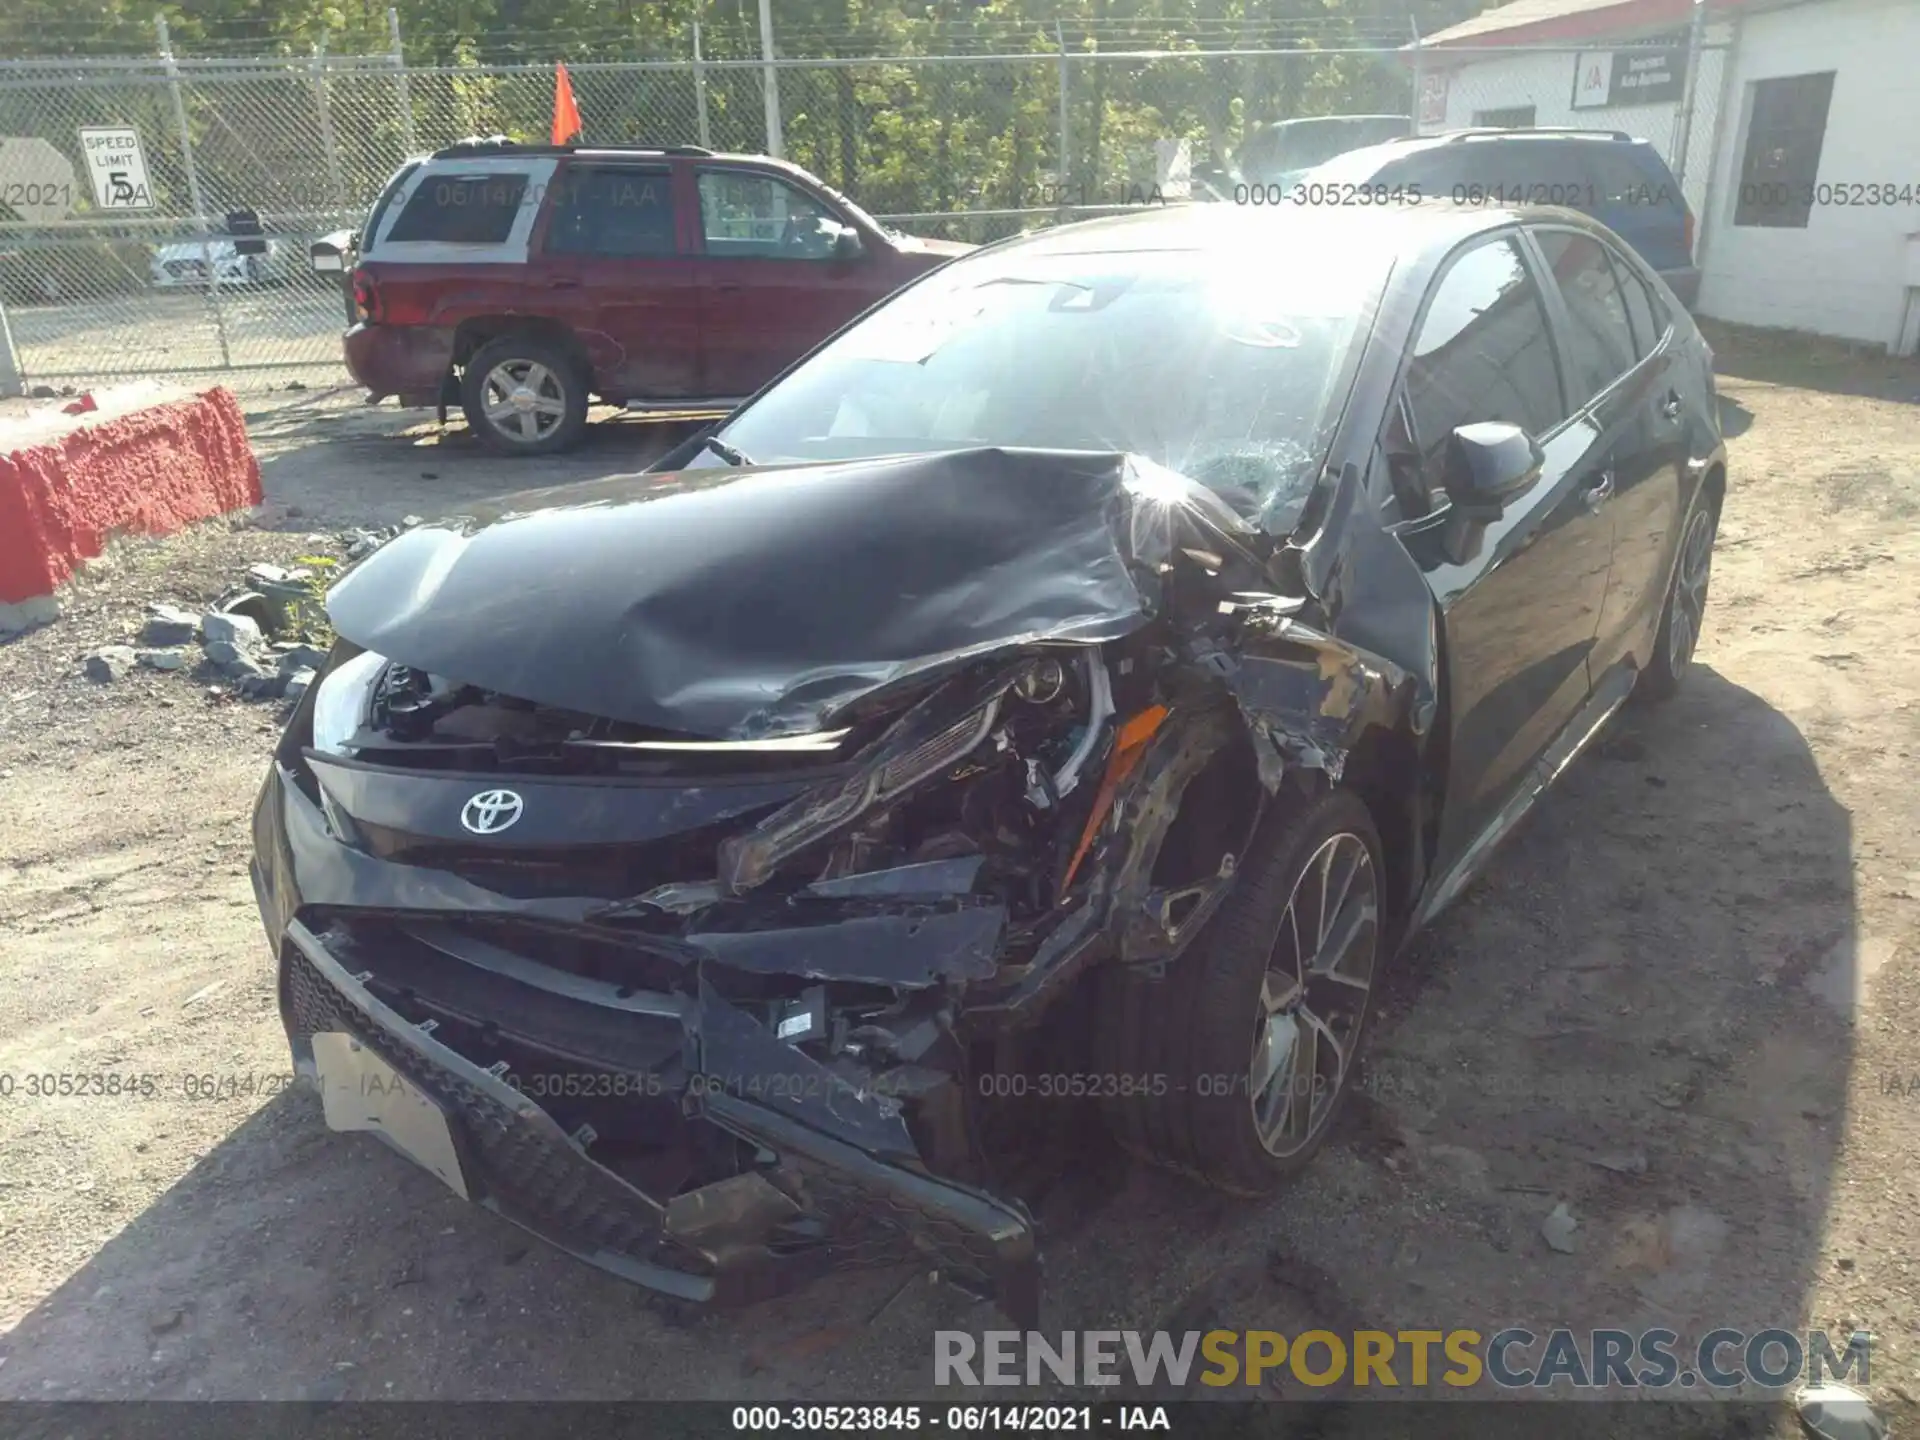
(725, 451)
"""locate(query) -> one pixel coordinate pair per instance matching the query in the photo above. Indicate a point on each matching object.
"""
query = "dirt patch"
(1681, 1004)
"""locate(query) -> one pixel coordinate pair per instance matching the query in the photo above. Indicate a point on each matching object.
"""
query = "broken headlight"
(341, 703)
(747, 860)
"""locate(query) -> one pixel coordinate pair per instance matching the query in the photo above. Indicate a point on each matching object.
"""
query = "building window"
(1782, 157)
(1514, 117)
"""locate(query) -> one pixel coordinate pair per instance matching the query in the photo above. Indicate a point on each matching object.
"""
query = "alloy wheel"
(524, 400)
(1690, 590)
(1313, 997)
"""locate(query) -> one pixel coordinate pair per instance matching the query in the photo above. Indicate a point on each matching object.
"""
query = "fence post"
(194, 197)
(1419, 72)
(700, 89)
(11, 382)
(407, 146)
(1683, 117)
(770, 83)
(1066, 129)
(323, 108)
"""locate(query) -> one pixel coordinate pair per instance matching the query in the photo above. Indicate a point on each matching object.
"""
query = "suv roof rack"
(500, 144)
(1481, 132)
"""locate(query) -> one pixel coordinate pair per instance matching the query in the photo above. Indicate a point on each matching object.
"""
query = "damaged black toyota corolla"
(1072, 682)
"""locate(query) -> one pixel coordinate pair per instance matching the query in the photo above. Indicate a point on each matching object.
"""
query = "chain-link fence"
(156, 214)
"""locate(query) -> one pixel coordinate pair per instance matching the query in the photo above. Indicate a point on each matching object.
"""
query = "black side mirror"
(1487, 465)
(244, 226)
(847, 245)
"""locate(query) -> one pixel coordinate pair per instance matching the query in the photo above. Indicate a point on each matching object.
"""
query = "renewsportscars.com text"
(1512, 1358)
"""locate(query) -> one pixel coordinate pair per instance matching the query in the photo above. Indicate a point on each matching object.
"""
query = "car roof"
(1370, 157)
(1203, 226)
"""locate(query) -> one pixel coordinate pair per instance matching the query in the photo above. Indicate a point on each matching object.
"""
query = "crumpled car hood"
(743, 604)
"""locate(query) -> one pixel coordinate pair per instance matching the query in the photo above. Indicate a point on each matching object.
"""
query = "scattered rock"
(1557, 1229)
(1838, 1412)
(295, 685)
(296, 384)
(18, 616)
(243, 670)
(265, 574)
(1631, 1163)
(109, 663)
(44, 392)
(224, 653)
(411, 522)
(262, 687)
(265, 611)
(202, 993)
(162, 659)
(169, 625)
(301, 657)
(163, 1321)
(234, 629)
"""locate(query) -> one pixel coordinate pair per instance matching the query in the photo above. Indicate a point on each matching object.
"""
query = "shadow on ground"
(1811, 362)
(1642, 1012)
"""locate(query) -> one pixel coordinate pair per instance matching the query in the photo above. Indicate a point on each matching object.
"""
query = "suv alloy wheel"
(524, 396)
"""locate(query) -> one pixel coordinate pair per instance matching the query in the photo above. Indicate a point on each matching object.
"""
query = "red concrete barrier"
(148, 472)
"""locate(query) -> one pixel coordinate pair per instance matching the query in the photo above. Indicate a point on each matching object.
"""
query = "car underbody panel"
(694, 859)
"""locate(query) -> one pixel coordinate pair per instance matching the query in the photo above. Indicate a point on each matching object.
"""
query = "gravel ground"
(1698, 962)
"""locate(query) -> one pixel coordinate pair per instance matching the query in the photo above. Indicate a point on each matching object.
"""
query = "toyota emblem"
(492, 811)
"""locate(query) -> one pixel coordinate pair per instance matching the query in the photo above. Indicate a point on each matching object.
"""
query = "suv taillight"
(366, 297)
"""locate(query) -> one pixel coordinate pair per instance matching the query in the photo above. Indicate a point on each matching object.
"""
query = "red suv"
(521, 279)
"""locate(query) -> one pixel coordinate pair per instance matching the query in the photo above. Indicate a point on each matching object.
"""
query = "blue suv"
(1618, 180)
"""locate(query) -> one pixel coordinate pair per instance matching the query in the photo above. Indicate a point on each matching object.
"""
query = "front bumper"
(803, 1169)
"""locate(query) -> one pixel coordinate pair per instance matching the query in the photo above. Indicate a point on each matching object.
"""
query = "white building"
(1802, 161)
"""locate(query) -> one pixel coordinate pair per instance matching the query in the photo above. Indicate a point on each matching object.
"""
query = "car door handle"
(1670, 406)
(1598, 493)
(563, 282)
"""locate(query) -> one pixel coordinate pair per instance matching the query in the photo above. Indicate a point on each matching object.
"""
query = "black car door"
(1629, 378)
(1520, 608)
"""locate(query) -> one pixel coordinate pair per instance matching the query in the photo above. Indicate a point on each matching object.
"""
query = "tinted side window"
(747, 215)
(612, 210)
(1649, 321)
(1600, 338)
(1483, 353)
(462, 209)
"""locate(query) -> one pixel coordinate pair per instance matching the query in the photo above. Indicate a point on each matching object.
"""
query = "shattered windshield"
(1220, 364)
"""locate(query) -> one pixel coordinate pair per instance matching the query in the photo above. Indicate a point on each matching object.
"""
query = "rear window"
(380, 206)
(462, 209)
(1632, 175)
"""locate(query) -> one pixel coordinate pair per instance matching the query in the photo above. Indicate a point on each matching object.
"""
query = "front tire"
(1686, 608)
(524, 396)
(1247, 1046)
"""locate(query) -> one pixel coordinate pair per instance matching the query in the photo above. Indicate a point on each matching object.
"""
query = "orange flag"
(566, 115)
